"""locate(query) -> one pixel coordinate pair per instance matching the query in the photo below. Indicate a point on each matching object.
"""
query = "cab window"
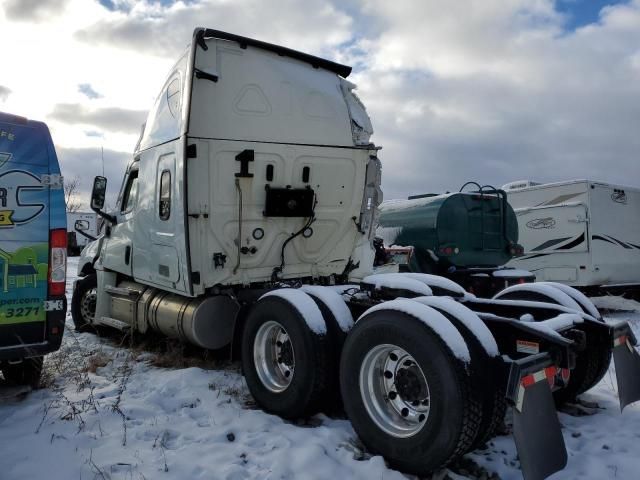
(130, 195)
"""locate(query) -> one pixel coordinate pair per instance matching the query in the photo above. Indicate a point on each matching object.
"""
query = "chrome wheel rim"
(395, 391)
(88, 305)
(274, 357)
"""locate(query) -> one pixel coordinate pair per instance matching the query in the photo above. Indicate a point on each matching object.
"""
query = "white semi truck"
(246, 218)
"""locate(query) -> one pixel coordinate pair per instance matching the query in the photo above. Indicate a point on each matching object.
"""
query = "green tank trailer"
(464, 236)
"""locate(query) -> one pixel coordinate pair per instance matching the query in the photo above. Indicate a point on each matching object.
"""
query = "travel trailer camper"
(580, 232)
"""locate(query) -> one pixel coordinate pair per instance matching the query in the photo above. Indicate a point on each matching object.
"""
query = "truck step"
(112, 322)
(127, 292)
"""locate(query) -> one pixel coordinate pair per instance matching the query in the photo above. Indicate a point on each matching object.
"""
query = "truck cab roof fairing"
(200, 34)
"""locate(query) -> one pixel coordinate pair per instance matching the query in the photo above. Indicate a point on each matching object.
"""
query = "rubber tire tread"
(27, 372)
(84, 284)
(311, 389)
(335, 341)
(482, 384)
(381, 323)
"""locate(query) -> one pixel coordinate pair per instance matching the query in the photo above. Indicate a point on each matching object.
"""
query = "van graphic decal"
(537, 223)
(4, 158)
(550, 243)
(23, 283)
(22, 198)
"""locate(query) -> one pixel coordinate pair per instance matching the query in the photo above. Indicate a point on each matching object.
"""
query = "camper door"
(556, 229)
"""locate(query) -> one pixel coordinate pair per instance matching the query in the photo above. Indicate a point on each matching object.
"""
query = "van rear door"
(26, 183)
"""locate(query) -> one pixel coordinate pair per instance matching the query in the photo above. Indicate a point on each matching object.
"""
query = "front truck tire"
(83, 303)
(392, 351)
(285, 363)
(27, 372)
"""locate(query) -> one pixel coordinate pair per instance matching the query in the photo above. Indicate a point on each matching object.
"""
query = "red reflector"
(57, 261)
(528, 381)
(521, 280)
(55, 331)
(550, 372)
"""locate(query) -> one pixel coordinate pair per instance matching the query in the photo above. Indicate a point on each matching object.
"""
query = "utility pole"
(102, 155)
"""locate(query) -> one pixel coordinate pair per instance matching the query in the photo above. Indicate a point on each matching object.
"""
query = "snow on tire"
(285, 355)
(406, 391)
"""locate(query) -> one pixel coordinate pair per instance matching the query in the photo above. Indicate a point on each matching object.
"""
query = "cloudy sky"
(485, 90)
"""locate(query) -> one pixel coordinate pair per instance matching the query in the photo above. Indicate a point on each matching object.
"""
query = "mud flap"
(537, 433)
(536, 427)
(627, 361)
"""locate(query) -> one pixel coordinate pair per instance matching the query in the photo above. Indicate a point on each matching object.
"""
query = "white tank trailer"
(247, 217)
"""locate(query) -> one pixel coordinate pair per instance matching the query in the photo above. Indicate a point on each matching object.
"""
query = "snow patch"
(334, 303)
(305, 306)
(610, 302)
(433, 319)
(388, 234)
(553, 325)
(398, 281)
(512, 273)
(467, 317)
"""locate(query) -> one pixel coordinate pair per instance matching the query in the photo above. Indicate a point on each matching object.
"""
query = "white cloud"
(457, 91)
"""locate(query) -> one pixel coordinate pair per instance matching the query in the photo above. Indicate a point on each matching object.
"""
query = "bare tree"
(71, 188)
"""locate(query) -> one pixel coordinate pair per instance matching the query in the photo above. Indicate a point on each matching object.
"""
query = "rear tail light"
(57, 261)
(449, 250)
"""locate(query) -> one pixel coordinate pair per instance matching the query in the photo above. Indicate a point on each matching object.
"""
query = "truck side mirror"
(98, 194)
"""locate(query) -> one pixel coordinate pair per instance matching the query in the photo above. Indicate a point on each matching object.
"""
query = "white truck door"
(118, 245)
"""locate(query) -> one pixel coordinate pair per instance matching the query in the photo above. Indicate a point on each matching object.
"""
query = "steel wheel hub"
(394, 390)
(88, 305)
(274, 357)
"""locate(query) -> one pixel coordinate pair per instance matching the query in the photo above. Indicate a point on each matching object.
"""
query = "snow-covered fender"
(579, 297)
(334, 302)
(535, 291)
(433, 319)
(438, 285)
(466, 317)
(397, 284)
(305, 305)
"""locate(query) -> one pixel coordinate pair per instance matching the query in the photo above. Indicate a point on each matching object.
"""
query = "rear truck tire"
(83, 303)
(597, 356)
(484, 386)
(336, 336)
(592, 363)
(285, 363)
(408, 397)
(27, 372)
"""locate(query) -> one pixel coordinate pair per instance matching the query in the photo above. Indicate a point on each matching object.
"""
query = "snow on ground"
(110, 413)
